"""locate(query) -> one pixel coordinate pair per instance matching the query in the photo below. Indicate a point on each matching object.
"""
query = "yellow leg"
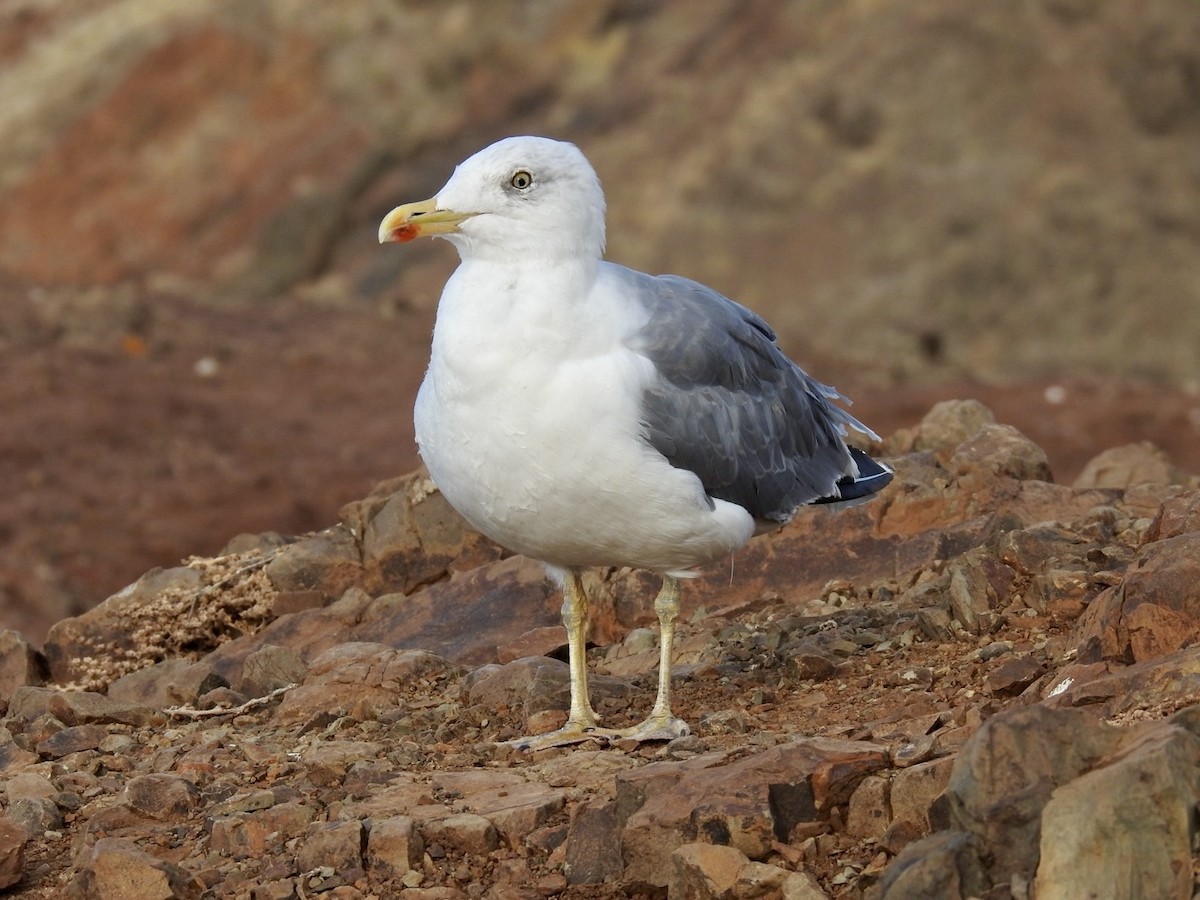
(661, 724)
(581, 720)
(575, 618)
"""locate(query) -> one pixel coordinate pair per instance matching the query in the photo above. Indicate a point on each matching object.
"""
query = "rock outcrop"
(984, 684)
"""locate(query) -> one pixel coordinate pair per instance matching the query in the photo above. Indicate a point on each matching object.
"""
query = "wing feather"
(728, 405)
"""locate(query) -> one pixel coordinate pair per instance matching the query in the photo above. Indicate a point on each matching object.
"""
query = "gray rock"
(270, 667)
(946, 865)
(593, 844)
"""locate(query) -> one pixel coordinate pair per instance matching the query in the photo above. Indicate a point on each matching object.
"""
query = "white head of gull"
(586, 414)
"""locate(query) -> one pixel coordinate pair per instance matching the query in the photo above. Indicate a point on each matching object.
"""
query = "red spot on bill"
(405, 233)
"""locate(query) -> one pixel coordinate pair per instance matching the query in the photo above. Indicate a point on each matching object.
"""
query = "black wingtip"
(873, 476)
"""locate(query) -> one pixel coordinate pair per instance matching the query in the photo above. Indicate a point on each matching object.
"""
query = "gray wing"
(731, 407)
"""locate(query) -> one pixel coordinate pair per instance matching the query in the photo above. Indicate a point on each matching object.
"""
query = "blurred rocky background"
(199, 334)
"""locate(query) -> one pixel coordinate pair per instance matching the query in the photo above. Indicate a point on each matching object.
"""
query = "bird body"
(560, 382)
(586, 414)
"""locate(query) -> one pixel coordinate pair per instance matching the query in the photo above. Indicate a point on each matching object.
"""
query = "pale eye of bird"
(521, 180)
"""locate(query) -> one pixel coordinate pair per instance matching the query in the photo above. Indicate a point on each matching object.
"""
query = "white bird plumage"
(532, 418)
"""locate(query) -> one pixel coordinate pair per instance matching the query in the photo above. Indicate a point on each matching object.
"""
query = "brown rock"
(516, 810)
(946, 865)
(869, 813)
(465, 832)
(705, 871)
(1123, 467)
(1177, 515)
(163, 797)
(20, 664)
(36, 815)
(801, 886)
(914, 789)
(1167, 680)
(328, 761)
(946, 425)
(151, 686)
(249, 835)
(1001, 450)
(493, 604)
(270, 667)
(13, 758)
(1013, 676)
(536, 642)
(1153, 612)
(29, 784)
(593, 847)
(326, 562)
(1005, 773)
(412, 537)
(394, 847)
(361, 678)
(309, 634)
(1123, 830)
(336, 845)
(72, 740)
(747, 804)
(115, 869)
(82, 707)
(13, 838)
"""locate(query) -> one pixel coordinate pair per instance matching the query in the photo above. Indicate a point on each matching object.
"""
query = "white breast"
(528, 420)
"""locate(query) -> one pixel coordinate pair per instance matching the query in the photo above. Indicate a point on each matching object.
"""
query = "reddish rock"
(1179, 514)
(1153, 612)
(125, 154)
(493, 604)
(13, 838)
(747, 804)
(1112, 689)
(465, 832)
(1001, 450)
(248, 835)
(1013, 676)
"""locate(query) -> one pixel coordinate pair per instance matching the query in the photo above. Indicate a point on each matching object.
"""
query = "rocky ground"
(985, 684)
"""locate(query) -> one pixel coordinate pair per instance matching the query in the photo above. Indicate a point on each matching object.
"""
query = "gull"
(589, 415)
